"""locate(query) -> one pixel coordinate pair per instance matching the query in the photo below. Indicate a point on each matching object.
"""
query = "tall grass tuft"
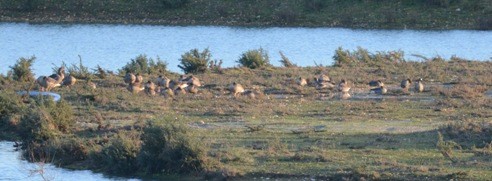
(195, 61)
(172, 148)
(21, 71)
(254, 59)
(362, 57)
(79, 71)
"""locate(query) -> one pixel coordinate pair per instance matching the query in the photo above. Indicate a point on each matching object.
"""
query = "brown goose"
(138, 78)
(236, 89)
(301, 81)
(194, 81)
(179, 91)
(192, 88)
(167, 92)
(405, 84)
(69, 81)
(129, 78)
(135, 88)
(46, 83)
(59, 76)
(149, 88)
(163, 81)
(344, 86)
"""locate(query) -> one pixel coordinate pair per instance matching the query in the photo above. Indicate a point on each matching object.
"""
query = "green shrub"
(11, 109)
(46, 120)
(21, 71)
(120, 155)
(78, 71)
(314, 5)
(362, 57)
(254, 59)
(143, 65)
(195, 61)
(171, 148)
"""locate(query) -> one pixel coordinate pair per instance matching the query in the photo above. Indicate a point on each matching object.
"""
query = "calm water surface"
(112, 46)
(12, 167)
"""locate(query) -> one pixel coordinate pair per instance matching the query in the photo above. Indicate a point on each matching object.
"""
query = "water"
(112, 46)
(12, 167)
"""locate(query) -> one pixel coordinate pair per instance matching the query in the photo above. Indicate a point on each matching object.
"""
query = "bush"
(46, 120)
(11, 108)
(194, 61)
(254, 59)
(362, 57)
(171, 148)
(21, 71)
(120, 155)
(314, 5)
(78, 71)
(143, 65)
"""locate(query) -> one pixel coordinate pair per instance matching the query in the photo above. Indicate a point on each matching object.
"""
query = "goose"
(129, 78)
(344, 86)
(325, 85)
(167, 92)
(138, 78)
(345, 95)
(59, 76)
(69, 81)
(150, 88)
(419, 86)
(135, 88)
(323, 78)
(179, 91)
(301, 81)
(91, 84)
(236, 89)
(46, 83)
(163, 81)
(376, 83)
(380, 90)
(249, 93)
(194, 81)
(405, 84)
(191, 88)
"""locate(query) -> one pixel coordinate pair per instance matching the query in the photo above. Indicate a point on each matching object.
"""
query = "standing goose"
(405, 84)
(419, 86)
(236, 89)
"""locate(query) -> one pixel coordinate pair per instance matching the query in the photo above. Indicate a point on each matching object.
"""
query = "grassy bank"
(400, 14)
(287, 131)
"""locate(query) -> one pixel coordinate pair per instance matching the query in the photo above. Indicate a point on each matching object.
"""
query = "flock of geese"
(46, 83)
(190, 84)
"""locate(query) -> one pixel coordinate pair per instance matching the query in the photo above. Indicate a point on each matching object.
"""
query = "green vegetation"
(289, 131)
(254, 59)
(386, 14)
(21, 71)
(195, 61)
(143, 65)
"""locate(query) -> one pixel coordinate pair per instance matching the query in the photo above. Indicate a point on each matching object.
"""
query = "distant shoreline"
(429, 15)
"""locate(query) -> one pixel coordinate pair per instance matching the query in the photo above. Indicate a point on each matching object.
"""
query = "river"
(112, 46)
(13, 168)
